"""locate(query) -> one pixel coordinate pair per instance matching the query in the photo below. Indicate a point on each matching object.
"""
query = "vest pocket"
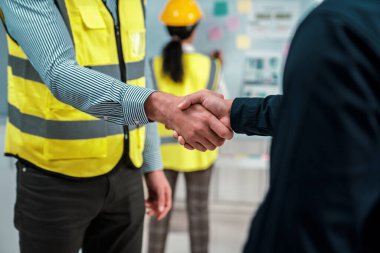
(93, 34)
(92, 18)
(135, 48)
(70, 135)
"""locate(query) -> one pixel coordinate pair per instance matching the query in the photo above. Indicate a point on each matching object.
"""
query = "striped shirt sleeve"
(152, 152)
(39, 29)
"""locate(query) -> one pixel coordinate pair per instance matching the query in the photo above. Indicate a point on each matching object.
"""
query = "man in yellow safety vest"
(78, 185)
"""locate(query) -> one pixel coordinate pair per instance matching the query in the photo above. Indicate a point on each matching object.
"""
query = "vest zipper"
(123, 77)
(119, 47)
(122, 66)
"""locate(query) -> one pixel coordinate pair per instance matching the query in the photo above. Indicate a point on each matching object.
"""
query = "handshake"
(200, 121)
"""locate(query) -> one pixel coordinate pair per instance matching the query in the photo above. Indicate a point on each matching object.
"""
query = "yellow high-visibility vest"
(57, 137)
(200, 72)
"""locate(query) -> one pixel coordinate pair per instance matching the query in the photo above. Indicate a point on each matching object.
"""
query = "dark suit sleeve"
(255, 116)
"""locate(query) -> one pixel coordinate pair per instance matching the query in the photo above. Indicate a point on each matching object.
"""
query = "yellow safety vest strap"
(168, 140)
(154, 79)
(214, 75)
(61, 130)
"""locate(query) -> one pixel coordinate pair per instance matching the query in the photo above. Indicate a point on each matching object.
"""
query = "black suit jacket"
(324, 193)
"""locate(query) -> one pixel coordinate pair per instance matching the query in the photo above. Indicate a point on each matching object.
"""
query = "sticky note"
(244, 6)
(220, 8)
(265, 157)
(243, 42)
(215, 33)
(286, 49)
(233, 23)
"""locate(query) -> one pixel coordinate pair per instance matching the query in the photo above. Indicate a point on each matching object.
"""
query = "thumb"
(195, 98)
(186, 103)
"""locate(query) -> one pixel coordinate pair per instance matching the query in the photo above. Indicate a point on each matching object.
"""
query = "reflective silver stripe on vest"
(61, 130)
(133, 127)
(110, 70)
(23, 68)
(135, 70)
(211, 80)
(168, 140)
(154, 79)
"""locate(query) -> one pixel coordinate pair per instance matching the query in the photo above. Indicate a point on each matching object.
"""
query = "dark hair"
(172, 52)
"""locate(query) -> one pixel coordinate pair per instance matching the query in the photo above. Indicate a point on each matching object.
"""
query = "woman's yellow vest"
(200, 72)
(57, 137)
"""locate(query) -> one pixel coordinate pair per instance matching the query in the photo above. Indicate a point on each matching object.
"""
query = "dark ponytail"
(172, 52)
(173, 66)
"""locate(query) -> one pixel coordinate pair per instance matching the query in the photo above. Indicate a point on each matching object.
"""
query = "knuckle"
(212, 148)
(198, 127)
(225, 133)
(220, 143)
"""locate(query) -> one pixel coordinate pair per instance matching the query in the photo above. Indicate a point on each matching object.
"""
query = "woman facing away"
(180, 70)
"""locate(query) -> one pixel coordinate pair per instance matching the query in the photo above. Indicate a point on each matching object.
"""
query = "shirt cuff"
(133, 105)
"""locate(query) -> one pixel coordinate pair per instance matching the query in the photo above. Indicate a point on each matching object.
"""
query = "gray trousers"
(197, 191)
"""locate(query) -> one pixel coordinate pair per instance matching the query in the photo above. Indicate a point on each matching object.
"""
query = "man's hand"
(213, 102)
(200, 128)
(159, 201)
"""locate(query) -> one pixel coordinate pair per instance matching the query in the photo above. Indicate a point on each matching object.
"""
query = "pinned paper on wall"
(262, 73)
(243, 42)
(221, 8)
(233, 23)
(244, 6)
(286, 49)
(215, 33)
(273, 19)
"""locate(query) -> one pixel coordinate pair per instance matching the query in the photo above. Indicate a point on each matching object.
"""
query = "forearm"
(255, 116)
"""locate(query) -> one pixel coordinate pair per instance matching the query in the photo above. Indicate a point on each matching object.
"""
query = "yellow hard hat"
(181, 13)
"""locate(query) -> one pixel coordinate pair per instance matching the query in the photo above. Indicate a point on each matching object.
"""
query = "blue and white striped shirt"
(40, 30)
